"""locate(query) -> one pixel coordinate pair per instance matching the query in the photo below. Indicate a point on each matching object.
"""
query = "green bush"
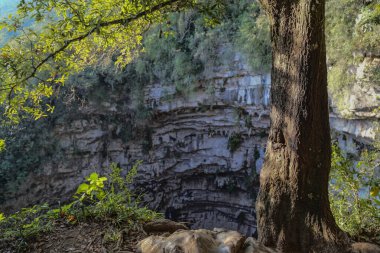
(100, 199)
(354, 194)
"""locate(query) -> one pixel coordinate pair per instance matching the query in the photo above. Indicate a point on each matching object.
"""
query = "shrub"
(99, 201)
(103, 199)
(354, 194)
(19, 228)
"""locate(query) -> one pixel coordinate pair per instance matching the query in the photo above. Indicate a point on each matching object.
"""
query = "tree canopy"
(66, 37)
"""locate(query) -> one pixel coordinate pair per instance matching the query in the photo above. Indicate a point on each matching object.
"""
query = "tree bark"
(293, 207)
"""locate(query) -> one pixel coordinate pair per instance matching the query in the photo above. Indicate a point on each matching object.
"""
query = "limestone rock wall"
(188, 171)
(358, 123)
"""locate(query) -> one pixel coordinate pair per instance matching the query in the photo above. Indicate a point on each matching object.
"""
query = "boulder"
(231, 240)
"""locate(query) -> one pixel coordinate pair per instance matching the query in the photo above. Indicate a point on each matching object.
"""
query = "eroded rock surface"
(202, 154)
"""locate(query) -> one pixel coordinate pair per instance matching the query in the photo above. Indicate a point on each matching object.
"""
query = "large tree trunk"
(293, 208)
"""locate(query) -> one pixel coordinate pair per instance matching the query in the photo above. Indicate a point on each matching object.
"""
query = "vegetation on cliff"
(352, 30)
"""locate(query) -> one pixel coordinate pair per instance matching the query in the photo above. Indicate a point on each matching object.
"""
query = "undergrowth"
(99, 199)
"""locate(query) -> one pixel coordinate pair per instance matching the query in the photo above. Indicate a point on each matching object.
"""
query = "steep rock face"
(357, 124)
(364, 96)
(201, 153)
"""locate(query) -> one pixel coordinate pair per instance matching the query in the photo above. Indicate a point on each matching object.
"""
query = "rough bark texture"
(293, 206)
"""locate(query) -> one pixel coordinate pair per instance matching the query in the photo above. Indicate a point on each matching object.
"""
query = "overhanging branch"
(122, 21)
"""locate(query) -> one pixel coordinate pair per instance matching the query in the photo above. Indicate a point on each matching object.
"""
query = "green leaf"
(82, 188)
(93, 177)
(101, 194)
(2, 145)
(102, 179)
(2, 217)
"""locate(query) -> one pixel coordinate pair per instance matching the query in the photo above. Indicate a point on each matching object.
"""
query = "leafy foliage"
(94, 188)
(2, 217)
(352, 29)
(2, 145)
(73, 33)
(354, 194)
(24, 225)
(113, 202)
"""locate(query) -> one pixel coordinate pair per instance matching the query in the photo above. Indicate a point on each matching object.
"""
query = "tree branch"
(123, 21)
(67, 43)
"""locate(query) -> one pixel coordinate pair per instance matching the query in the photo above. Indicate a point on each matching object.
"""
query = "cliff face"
(201, 154)
(195, 171)
(358, 123)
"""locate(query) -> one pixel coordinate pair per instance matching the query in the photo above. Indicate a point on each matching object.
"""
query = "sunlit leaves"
(2, 145)
(354, 193)
(74, 35)
(93, 188)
